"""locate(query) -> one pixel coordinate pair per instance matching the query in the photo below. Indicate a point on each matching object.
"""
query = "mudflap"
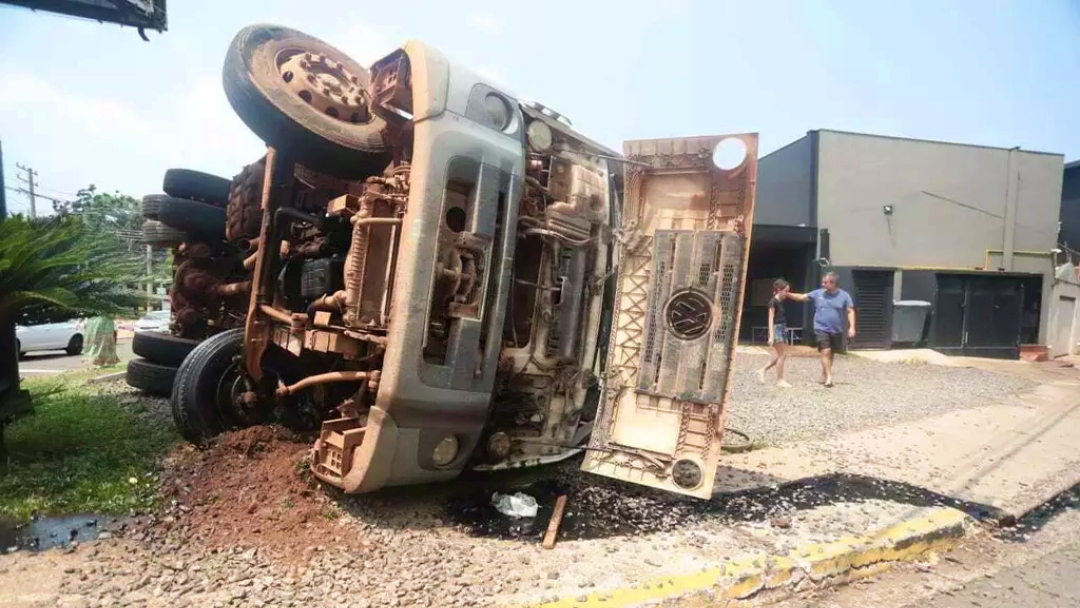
(683, 250)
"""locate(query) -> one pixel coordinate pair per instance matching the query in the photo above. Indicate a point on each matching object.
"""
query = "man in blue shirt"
(831, 306)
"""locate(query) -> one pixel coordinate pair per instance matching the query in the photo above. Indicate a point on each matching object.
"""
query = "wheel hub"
(232, 391)
(325, 85)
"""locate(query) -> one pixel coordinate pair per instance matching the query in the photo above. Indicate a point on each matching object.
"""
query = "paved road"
(36, 365)
(1050, 581)
(1041, 569)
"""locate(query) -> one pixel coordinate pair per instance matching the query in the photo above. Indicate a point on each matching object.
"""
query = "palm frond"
(60, 266)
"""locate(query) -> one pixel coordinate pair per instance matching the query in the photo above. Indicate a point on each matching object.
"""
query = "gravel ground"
(446, 546)
(436, 562)
(867, 394)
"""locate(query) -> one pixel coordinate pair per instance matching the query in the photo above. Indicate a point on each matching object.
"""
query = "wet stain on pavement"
(599, 508)
(47, 532)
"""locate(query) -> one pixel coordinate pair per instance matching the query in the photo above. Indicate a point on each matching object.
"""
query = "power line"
(36, 195)
(59, 192)
(989, 213)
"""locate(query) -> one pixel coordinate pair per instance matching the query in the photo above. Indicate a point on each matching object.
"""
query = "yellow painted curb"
(847, 559)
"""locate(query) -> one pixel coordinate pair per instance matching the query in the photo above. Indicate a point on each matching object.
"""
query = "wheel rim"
(324, 84)
(230, 388)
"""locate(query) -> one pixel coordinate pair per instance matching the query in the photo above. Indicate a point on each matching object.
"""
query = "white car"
(66, 336)
(157, 320)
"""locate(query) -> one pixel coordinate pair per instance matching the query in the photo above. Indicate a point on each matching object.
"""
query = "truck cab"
(448, 277)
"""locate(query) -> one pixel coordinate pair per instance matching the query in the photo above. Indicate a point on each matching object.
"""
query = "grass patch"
(80, 452)
(75, 378)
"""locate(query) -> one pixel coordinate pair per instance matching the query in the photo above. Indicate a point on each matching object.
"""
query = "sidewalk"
(918, 484)
(1002, 458)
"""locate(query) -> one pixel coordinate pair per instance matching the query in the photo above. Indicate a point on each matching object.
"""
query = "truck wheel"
(151, 378)
(197, 186)
(75, 345)
(267, 76)
(159, 235)
(194, 218)
(162, 348)
(203, 398)
(151, 204)
(244, 214)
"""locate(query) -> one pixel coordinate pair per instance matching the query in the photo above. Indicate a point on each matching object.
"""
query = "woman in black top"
(777, 333)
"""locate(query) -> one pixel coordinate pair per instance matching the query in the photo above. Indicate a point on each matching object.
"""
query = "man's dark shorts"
(827, 341)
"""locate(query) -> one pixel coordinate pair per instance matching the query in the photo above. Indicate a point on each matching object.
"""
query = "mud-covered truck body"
(445, 276)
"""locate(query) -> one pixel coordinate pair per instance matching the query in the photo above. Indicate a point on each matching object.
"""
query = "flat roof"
(934, 141)
(785, 146)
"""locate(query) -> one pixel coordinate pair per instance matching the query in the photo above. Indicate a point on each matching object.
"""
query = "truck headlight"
(539, 136)
(446, 451)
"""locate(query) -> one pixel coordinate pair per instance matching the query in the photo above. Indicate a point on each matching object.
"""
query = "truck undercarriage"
(442, 276)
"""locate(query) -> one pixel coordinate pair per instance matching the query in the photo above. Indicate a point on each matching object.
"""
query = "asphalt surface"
(1051, 581)
(47, 363)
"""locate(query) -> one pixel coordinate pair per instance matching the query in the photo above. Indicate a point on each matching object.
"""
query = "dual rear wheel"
(312, 102)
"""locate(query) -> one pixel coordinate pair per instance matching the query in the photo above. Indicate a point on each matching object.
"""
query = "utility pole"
(31, 183)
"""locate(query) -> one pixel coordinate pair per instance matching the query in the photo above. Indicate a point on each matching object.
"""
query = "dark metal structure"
(141, 14)
(975, 314)
(1070, 208)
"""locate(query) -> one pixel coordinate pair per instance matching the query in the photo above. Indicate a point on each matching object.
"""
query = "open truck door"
(683, 248)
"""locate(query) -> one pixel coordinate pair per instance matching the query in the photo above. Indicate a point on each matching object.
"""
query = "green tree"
(117, 218)
(54, 268)
(103, 211)
(57, 266)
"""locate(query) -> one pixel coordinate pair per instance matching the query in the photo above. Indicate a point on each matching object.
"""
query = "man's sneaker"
(783, 384)
(761, 376)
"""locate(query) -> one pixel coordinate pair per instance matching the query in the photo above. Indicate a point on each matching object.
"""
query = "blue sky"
(91, 103)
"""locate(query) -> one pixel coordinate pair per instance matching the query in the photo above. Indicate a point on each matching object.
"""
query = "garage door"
(873, 300)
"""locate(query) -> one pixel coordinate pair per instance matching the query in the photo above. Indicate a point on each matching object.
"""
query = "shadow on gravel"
(1020, 530)
(600, 508)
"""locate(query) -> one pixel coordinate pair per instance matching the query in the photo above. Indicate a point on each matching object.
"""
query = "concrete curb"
(106, 377)
(1044, 494)
(826, 564)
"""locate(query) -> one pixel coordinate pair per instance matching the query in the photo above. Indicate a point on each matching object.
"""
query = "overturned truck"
(446, 277)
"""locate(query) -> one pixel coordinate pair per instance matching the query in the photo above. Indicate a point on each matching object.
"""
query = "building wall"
(1070, 208)
(1064, 334)
(784, 195)
(949, 202)
(953, 206)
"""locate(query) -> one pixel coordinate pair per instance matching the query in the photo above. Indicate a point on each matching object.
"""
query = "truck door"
(682, 249)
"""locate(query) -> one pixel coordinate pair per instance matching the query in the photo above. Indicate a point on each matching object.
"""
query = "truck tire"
(243, 216)
(157, 234)
(162, 348)
(199, 220)
(152, 378)
(344, 139)
(197, 186)
(151, 204)
(197, 397)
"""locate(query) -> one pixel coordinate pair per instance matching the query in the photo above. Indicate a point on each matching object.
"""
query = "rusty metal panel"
(683, 247)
